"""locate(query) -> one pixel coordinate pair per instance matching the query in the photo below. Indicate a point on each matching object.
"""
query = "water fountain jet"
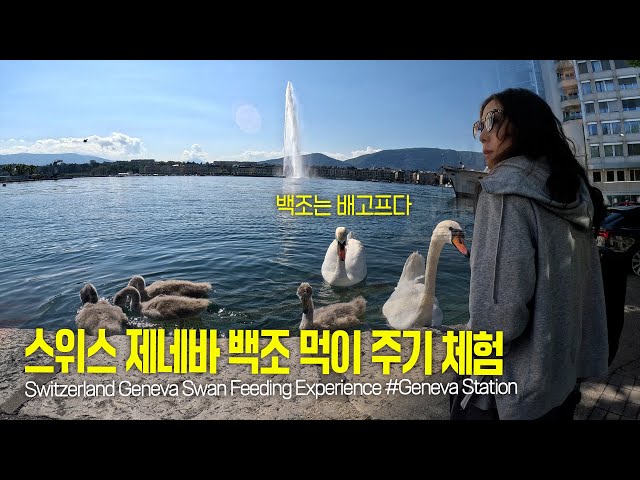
(292, 162)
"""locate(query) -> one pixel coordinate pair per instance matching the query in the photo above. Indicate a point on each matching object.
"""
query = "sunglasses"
(487, 125)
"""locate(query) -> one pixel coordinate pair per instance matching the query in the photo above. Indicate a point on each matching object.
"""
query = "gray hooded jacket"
(535, 275)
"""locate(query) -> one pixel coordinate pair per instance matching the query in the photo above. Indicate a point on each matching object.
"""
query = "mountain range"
(426, 159)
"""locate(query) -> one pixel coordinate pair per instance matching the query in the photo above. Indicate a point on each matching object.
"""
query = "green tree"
(634, 63)
(8, 168)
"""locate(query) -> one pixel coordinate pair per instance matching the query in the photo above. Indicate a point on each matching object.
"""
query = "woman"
(535, 270)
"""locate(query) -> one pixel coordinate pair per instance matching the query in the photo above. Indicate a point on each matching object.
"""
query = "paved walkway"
(617, 396)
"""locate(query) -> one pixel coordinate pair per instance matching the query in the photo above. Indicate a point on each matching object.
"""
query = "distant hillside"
(428, 159)
(41, 159)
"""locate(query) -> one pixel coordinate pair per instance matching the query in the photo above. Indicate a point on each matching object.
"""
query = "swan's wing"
(346, 322)
(340, 315)
(330, 262)
(402, 307)
(355, 261)
(173, 306)
(102, 314)
(413, 268)
(184, 288)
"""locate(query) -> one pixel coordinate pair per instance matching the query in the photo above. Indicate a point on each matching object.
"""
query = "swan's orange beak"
(458, 241)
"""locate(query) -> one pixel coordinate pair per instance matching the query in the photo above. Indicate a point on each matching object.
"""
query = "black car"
(619, 236)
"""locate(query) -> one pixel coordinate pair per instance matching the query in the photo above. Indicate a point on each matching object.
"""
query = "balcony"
(567, 80)
(567, 117)
(572, 100)
(563, 65)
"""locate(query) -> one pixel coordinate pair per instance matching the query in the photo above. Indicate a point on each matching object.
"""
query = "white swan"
(95, 314)
(345, 262)
(413, 303)
(162, 307)
(337, 316)
(183, 288)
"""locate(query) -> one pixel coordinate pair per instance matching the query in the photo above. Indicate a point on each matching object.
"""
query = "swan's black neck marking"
(305, 311)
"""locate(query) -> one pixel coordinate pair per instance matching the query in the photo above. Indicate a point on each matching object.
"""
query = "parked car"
(619, 236)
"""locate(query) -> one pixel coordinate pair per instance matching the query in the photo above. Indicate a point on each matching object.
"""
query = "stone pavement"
(615, 396)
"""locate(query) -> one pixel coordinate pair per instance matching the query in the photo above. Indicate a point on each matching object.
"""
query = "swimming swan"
(345, 262)
(333, 317)
(183, 288)
(95, 314)
(413, 303)
(162, 307)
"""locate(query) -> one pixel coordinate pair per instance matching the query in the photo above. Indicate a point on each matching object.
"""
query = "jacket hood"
(527, 177)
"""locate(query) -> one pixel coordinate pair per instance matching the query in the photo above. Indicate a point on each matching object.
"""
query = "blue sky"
(208, 110)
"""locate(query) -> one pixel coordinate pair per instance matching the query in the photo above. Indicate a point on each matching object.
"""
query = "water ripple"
(223, 230)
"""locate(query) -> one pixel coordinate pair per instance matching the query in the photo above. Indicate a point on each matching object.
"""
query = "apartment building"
(610, 100)
(598, 102)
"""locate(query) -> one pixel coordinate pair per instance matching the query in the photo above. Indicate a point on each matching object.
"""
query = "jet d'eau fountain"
(292, 163)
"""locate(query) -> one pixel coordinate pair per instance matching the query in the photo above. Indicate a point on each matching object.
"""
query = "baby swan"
(183, 288)
(162, 307)
(332, 317)
(95, 314)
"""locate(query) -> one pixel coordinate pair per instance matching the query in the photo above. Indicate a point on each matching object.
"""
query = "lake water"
(58, 235)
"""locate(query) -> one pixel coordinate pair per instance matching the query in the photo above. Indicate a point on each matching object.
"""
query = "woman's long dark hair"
(535, 132)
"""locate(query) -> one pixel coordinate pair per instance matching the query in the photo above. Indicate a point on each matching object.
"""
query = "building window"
(595, 150)
(573, 115)
(632, 126)
(600, 65)
(611, 128)
(621, 64)
(609, 175)
(619, 175)
(582, 67)
(597, 177)
(613, 150)
(592, 129)
(627, 83)
(633, 148)
(608, 106)
(630, 104)
(589, 107)
(586, 87)
(605, 85)
(634, 175)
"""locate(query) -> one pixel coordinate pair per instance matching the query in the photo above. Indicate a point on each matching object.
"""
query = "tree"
(634, 63)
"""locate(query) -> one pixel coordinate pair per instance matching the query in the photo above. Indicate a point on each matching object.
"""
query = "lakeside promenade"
(613, 397)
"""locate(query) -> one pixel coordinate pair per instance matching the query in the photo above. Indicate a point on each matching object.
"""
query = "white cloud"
(366, 151)
(117, 146)
(194, 154)
(354, 154)
(251, 156)
(337, 156)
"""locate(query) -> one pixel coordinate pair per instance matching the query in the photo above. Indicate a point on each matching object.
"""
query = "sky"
(234, 110)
